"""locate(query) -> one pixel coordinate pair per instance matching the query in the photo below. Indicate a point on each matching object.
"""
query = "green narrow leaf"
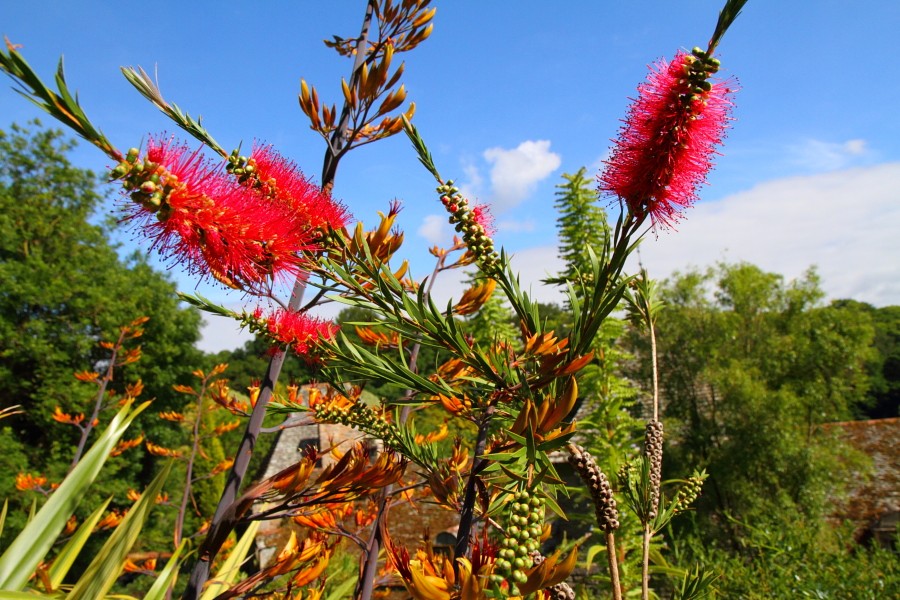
(167, 576)
(231, 568)
(3, 515)
(592, 552)
(552, 505)
(31, 545)
(106, 567)
(63, 561)
(343, 590)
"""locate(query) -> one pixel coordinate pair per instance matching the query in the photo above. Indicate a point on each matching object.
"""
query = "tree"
(883, 399)
(750, 368)
(65, 288)
(581, 223)
(606, 420)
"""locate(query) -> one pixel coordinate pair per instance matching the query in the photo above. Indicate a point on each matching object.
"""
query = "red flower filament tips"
(280, 180)
(243, 235)
(296, 330)
(664, 150)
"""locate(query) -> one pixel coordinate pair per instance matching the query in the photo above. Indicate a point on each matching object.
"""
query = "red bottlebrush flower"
(481, 214)
(298, 330)
(213, 224)
(280, 179)
(664, 150)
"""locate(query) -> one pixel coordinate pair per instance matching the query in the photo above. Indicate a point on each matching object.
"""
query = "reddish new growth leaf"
(664, 150)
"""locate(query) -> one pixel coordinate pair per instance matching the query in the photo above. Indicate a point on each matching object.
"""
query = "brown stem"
(98, 402)
(188, 478)
(613, 565)
(336, 148)
(467, 514)
(645, 564)
(220, 527)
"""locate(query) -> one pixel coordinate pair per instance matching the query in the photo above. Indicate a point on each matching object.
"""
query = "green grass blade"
(231, 568)
(166, 577)
(63, 561)
(106, 567)
(32, 544)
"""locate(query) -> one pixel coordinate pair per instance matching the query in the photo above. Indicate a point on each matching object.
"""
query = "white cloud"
(514, 226)
(845, 222)
(514, 173)
(221, 333)
(435, 229)
(819, 155)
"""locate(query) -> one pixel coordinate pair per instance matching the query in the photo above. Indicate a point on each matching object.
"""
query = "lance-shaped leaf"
(31, 546)
(107, 565)
(63, 561)
(230, 570)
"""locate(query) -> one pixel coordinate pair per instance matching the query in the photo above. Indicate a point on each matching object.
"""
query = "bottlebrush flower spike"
(297, 330)
(664, 150)
(279, 179)
(209, 221)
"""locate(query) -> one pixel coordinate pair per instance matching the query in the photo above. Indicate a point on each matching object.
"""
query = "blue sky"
(510, 95)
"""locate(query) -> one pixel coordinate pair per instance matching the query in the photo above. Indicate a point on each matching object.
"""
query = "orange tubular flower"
(110, 520)
(28, 482)
(88, 376)
(61, 417)
(156, 450)
(126, 445)
(475, 297)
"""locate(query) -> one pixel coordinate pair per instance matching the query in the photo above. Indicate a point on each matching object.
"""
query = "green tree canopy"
(750, 367)
(64, 289)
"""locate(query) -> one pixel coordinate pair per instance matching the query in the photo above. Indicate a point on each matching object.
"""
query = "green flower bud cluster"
(653, 449)
(698, 68)
(525, 525)
(474, 235)
(242, 167)
(687, 494)
(144, 181)
(359, 415)
(605, 508)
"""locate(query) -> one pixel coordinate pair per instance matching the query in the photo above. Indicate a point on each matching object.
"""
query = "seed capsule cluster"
(598, 485)
(474, 235)
(560, 591)
(242, 167)
(525, 525)
(653, 449)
